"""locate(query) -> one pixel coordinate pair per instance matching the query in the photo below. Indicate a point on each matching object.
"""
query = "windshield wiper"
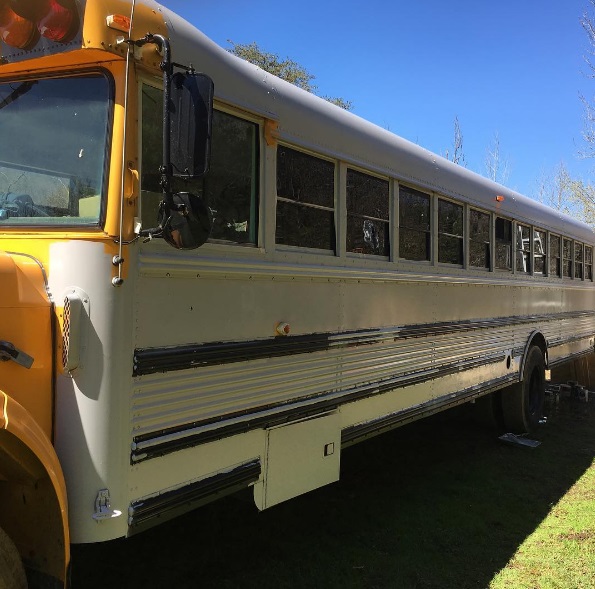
(17, 93)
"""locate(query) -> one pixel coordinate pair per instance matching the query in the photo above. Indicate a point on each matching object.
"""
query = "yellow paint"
(25, 322)
(15, 419)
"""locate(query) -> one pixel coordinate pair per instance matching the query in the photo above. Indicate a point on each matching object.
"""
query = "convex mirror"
(190, 226)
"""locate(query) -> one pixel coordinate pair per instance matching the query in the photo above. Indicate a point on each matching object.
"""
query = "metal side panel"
(300, 457)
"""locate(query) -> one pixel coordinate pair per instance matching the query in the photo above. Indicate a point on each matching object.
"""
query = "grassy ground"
(438, 504)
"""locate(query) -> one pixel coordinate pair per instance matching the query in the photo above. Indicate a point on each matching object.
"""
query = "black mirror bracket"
(167, 68)
(175, 209)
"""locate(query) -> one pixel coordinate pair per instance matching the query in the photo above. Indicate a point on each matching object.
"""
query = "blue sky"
(513, 68)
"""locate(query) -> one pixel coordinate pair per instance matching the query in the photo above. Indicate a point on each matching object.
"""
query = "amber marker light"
(15, 30)
(499, 198)
(119, 22)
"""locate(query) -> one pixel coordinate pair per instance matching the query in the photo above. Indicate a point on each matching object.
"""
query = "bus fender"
(33, 502)
(536, 338)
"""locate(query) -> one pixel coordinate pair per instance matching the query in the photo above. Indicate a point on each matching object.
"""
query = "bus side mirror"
(190, 111)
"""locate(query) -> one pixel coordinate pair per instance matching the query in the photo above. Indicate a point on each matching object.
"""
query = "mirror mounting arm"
(167, 68)
(185, 221)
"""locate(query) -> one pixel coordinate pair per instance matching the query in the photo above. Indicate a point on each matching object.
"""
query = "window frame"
(460, 238)
(256, 206)
(335, 250)
(429, 233)
(389, 211)
(510, 243)
(544, 255)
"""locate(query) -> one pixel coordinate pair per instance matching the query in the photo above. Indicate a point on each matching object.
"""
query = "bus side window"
(578, 260)
(588, 263)
(566, 258)
(414, 225)
(230, 187)
(450, 232)
(231, 184)
(305, 200)
(539, 251)
(523, 249)
(503, 244)
(555, 265)
(367, 214)
(479, 239)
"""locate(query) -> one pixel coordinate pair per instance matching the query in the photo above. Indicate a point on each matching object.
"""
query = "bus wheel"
(522, 403)
(12, 574)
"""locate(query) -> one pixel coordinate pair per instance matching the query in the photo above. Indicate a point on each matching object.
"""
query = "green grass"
(561, 551)
(437, 504)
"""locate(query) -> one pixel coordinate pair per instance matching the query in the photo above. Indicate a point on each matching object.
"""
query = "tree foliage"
(568, 195)
(284, 68)
(457, 155)
(496, 164)
(588, 22)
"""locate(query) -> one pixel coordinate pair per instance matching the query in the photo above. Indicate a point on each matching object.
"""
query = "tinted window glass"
(53, 150)
(450, 232)
(479, 239)
(305, 200)
(367, 214)
(578, 260)
(231, 185)
(539, 252)
(414, 224)
(503, 243)
(566, 258)
(555, 266)
(523, 248)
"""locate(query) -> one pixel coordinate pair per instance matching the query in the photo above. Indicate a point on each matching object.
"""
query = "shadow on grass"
(437, 504)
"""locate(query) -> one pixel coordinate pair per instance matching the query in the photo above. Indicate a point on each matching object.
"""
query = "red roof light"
(22, 21)
(15, 30)
(60, 22)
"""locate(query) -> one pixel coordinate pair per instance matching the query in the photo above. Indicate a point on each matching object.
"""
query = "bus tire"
(12, 574)
(522, 403)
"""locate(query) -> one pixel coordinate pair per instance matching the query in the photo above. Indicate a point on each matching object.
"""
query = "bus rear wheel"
(522, 403)
(12, 574)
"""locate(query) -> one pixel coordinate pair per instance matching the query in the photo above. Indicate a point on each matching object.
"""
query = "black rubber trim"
(183, 357)
(155, 510)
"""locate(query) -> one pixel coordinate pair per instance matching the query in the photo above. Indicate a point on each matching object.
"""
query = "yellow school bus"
(211, 280)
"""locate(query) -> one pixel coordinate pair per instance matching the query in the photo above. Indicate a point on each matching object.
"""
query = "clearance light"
(499, 198)
(15, 30)
(119, 22)
(23, 21)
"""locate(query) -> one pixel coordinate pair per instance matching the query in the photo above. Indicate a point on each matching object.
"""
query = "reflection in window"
(450, 232)
(305, 200)
(578, 260)
(479, 239)
(523, 248)
(367, 214)
(503, 244)
(555, 258)
(53, 150)
(566, 258)
(588, 263)
(539, 251)
(231, 185)
(414, 224)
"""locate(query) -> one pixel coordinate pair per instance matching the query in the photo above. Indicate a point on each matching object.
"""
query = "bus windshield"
(53, 150)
